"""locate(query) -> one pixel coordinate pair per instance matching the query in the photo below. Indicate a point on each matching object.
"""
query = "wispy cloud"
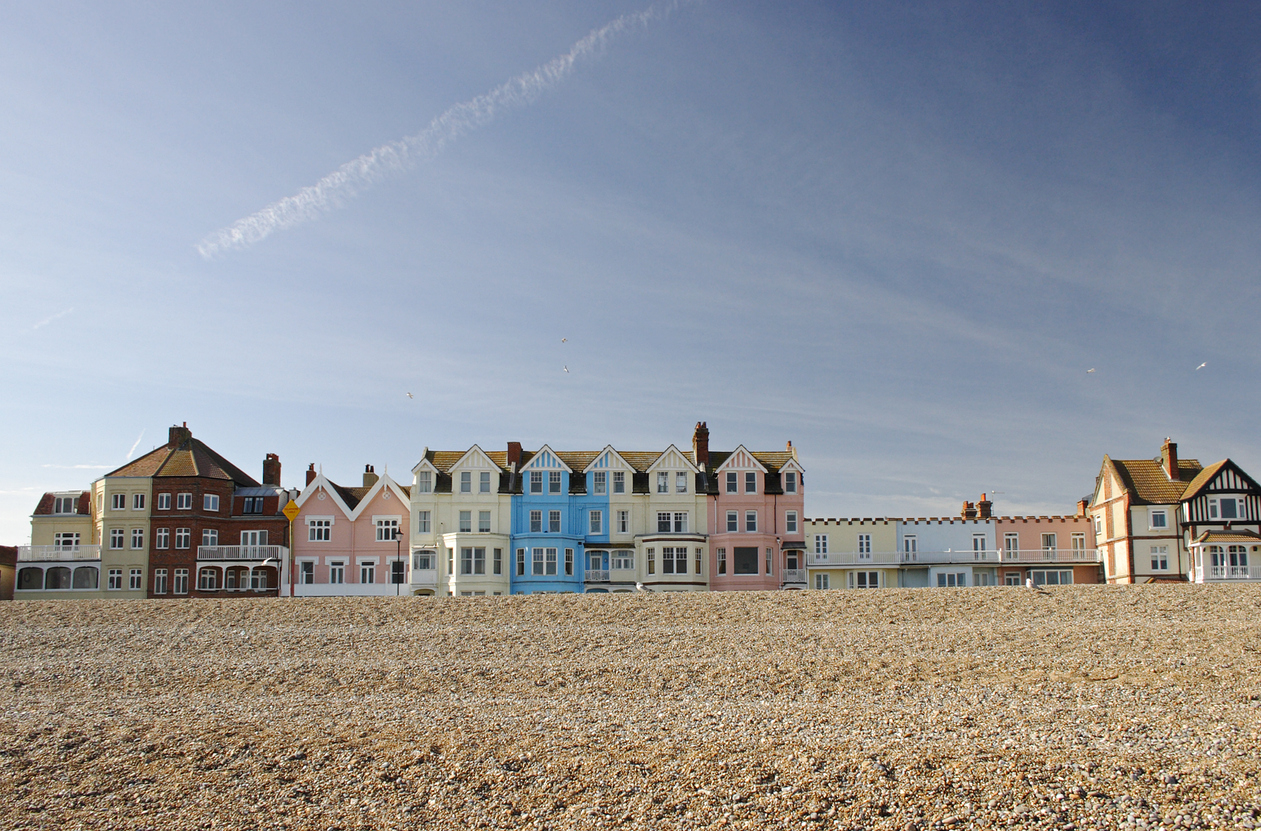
(77, 467)
(335, 189)
(51, 318)
(134, 445)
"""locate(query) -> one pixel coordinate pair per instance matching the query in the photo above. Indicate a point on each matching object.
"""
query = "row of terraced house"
(182, 521)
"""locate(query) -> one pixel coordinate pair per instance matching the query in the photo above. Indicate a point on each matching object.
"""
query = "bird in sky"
(1092, 369)
(409, 395)
(1201, 366)
(564, 340)
(566, 368)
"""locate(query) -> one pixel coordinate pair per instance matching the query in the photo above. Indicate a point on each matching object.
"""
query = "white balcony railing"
(1052, 555)
(1202, 570)
(597, 575)
(242, 552)
(794, 575)
(425, 577)
(989, 556)
(57, 553)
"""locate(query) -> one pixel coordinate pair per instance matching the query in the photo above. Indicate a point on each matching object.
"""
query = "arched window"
(85, 577)
(57, 578)
(31, 578)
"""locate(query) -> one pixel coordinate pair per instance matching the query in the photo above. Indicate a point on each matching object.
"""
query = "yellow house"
(852, 553)
(63, 559)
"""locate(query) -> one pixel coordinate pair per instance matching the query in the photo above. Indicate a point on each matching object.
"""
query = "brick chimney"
(1169, 459)
(179, 434)
(984, 507)
(1082, 504)
(514, 453)
(969, 511)
(310, 473)
(700, 445)
(369, 476)
(271, 470)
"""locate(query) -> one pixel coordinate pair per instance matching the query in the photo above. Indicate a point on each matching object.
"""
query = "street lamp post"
(398, 562)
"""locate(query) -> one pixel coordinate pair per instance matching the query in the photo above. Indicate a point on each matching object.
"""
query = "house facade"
(1135, 513)
(852, 553)
(64, 557)
(350, 541)
(1220, 520)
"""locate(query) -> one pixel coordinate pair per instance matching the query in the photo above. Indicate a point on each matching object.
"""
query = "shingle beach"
(1072, 708)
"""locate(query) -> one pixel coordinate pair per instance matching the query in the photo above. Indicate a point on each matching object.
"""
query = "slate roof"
(1146, 481)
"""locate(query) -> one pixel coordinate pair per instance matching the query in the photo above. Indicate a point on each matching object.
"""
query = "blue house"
(547, 526)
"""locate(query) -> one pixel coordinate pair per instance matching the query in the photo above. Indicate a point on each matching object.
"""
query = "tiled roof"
(1242, 536)
(192, 457)
(1209, 473)
(640, 460)
(83, 505)
(1145, 479)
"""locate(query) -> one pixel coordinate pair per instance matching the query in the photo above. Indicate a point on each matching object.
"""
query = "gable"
(475, 459)
(321, 496)
(608, 459)
(741, 459)
(546, 459)
(672, 459)
(1223, 477)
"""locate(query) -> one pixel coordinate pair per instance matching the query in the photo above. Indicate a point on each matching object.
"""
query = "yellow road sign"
(291, 510)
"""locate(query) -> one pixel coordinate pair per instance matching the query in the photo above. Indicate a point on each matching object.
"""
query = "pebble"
(1087, 707)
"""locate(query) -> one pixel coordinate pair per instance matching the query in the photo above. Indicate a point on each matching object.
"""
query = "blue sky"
(896, 235)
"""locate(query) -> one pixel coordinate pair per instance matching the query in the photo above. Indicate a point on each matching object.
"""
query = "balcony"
(597, 575)
(249, 553)
(1052, 555)
(57, 553)
(425, 577)
(794, 576)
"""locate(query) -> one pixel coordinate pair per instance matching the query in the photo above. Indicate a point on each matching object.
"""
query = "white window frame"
(790, 482)
(622, 559)
(619, 481)
(183, 502)
(733, 482)
(750, 522)
(424, 521)
(599, 482)
(680, 522)
(555, 482)
(483, 481)
(536, 481)
(623, 522)
(466, 481)
(210, 502)
(137, 501)
(367, 571)
(733, 522)
(483, 522)
(820, 543)
(114, 579)
(821, 582)
(864, 546)
(118, 502)
(306, 571)
(596, 522)
(117, 539)
(185, 536)
(664, 521)
(750, 481)
(383, 523)
(464, 523)
(1152, 514)
(424, 481)
(663, 481)
(337, 572)
(680, 482)
(910, 545)
(180, 581)
(159, 581)
(1160, 557)
(209, 536)
(162, 538)
(536, 522)
(554, 524)
(164, 502)
(319, 528)
(790, 522)
(1011, 546)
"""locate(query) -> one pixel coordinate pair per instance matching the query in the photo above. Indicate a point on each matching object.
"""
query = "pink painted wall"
(771, 509)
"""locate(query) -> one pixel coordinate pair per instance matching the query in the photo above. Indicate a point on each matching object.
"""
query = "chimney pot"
(179, 435)
(969, 511)
(369, 476)
(310, 473)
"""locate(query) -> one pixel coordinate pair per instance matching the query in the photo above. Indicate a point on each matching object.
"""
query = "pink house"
(349, 541)
(756, 518)
(1049, 550)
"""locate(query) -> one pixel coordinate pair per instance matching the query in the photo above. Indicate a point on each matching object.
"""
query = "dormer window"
(680, 482)
(553, 481)
(750, 482)
(536, 481)
(663, 482)
(64, 504)
(731, 482)
(466, 482)
(619, 481)
(483, 482)
(790, 482)
(424, 482)
(599, 482)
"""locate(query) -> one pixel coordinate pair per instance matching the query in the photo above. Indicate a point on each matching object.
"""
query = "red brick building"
(215, 531)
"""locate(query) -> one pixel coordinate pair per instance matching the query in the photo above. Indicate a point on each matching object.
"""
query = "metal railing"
(597, 575)
(57, 553)
(911, 558)
(242, 552)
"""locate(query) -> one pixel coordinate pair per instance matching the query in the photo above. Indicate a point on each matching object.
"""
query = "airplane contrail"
(335, 189)
(51, 318)
(134, 446)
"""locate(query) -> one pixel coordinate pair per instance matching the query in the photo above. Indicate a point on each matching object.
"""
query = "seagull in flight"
(566, 368)
(1201, 366)
(564, 340)
(409, 395)
(1092, 369)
